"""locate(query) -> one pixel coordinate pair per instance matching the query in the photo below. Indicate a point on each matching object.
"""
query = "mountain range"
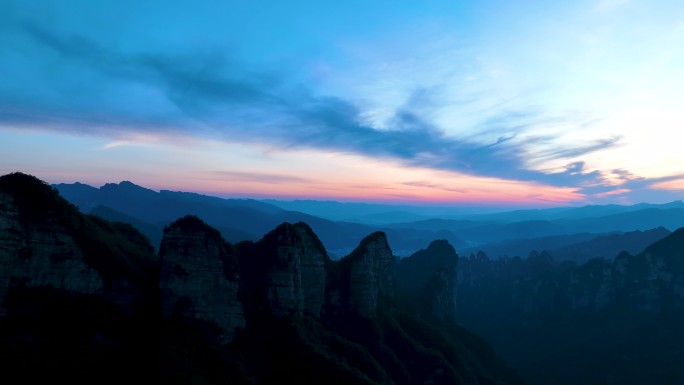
(519, 232)
(87, 300)
(236, 219)
(90, 299)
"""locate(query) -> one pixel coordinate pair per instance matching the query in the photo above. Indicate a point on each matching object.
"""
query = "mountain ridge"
(274, 310)
(238, 219)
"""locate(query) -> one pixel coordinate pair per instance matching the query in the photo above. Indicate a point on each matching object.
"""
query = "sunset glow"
(436, 102)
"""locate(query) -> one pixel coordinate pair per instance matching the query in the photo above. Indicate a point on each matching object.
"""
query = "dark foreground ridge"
(86, 300)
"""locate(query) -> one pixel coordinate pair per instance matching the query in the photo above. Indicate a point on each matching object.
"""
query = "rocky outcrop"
(370, 274)
(284, 272)
(590, 285)
(41, 254)
(46, 242)
(199, 279)
(650, 282)
(442, 293)
(430, 278)
(539, 311)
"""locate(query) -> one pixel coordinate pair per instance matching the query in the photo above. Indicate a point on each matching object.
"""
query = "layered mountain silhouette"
(86, 300)
(578, 238)
(237, 219)
(579, 247)
(561, 231)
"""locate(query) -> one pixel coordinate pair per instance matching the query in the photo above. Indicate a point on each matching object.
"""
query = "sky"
(490, 103)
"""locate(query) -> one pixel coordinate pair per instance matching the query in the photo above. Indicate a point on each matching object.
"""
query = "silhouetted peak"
(125, 186)
(77, 185)
(128, 185)
(287, 232)
(441, 246)
(673, 244)
(375, 241)
(18, 182)
(622, 256)
(291, 234)
(429, 277)
(191, 223)
(376, 237)
(34, 197)
(438, 251)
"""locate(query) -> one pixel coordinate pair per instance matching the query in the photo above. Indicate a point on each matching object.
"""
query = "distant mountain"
(151, 231)
(237, 219)
(383, 214)
(522, 247)
(378, 213)
(488, 231)
(579, 247)
(609, 246)
(155, 207)
(556, 213)
(671, 218)
(245, 219)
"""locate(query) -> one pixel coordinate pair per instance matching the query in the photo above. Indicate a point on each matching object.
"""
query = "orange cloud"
(677, 184)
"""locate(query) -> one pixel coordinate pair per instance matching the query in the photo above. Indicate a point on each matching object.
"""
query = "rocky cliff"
(40, 254)
(650, 281)
(429, 277)
(199, 278)
(284, 272)
(550, 317)
(88, 301)
(363, 280)
(45, 241)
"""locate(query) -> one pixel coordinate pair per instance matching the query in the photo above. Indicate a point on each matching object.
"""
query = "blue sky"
(488, 102)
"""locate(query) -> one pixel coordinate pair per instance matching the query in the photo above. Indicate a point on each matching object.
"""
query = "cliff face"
(284, 272)
(41, 254)
(370, 275)
(590, 285)
(653, 280)
(628, 308)
(199, 279)
(430, 278)
(45, 241)
(443, 293)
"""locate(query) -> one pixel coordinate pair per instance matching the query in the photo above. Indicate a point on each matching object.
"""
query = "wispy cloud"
(259, 177)
(434, 186)
(206, 94)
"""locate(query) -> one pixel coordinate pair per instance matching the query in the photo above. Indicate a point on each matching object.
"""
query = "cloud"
(577, 151)
(677, 185)
(634, 189)
(259, 177)
(206, 94)
(434, 186)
